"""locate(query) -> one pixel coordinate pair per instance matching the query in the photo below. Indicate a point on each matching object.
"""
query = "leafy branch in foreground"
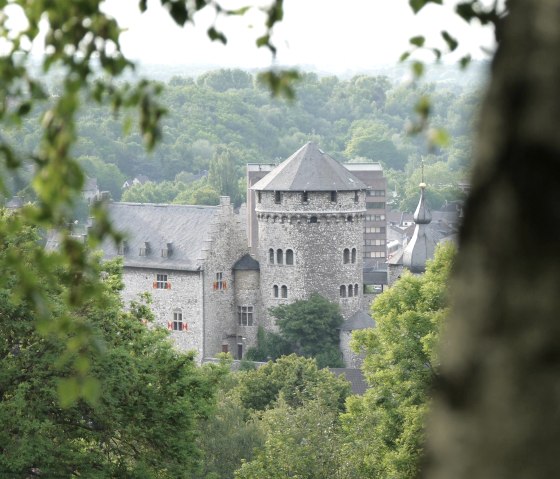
(81, 45)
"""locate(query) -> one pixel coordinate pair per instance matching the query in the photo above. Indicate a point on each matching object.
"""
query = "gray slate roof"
(354, 376)
(359, 320)
(185, 226)
(309, 169)
(247, 263)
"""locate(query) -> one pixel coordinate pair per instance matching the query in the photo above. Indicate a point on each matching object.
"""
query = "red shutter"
(224, 285)
(168, 285)
(169, 326)
(184, 327)
(155, 284)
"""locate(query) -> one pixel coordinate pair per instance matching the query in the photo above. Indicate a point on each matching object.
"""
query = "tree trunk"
(496, 411)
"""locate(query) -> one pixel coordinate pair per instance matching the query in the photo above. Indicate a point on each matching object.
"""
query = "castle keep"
(310, 214)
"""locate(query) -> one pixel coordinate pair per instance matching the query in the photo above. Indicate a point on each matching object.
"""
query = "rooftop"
(174, 234)
(309, 169)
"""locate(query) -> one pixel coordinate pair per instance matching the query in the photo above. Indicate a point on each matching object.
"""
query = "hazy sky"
(329, 34)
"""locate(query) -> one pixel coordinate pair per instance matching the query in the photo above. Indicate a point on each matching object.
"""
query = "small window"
(343, 291)
(356, 289)
(289, 257)
(275, 291)
(376, 206)
(356, 196)
(284, 291)
(333, 196)
(178, 324)
(313, 219)
(353, 255)
(304, 197)
(279, 257)
(346, 256)
(220, 284)
(239, 350)
(277, 197)
(350, 291)
(349, 219)
(245, 315)
(271, 256)
(122, 248)
(145, 250)
(259, 196)
(161, 282)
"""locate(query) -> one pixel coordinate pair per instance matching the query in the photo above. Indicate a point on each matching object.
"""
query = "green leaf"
(423, 106)
(214, 35)
(143, 5)
(437, 53)
(418, 69)
(91, 390)
(418, 5)
(451, 42)
(465, 61)
(439, 137)
(404, 56)
(466, 11)
(262, 41)
(68, 391)
(179, 12)
(238, 11)
(417, 41)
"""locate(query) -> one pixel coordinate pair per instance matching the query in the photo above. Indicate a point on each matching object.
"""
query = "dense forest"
(223, 119)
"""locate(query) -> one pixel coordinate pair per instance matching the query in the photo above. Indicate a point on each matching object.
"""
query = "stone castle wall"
(317, 231)
(226, 244)
(184, 295)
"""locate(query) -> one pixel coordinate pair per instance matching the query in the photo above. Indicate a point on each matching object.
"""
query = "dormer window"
(145, 250)
(122, 248)
(277, 197)
(167, 251)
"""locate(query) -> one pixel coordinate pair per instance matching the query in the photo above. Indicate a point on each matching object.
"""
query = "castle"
(213, 275)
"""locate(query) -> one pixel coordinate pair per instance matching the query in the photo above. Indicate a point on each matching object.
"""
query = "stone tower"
(310, 214)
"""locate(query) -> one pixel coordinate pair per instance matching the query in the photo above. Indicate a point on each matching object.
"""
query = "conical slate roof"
(247, 263)
(309, 169)
(359, 320)
(423, 243)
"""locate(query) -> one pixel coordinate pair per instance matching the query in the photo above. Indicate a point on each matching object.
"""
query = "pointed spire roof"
(422, 245)
(422, 215)
(309, 169)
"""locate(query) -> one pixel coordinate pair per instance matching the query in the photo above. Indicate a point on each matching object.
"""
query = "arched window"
(353, 255)
(313, 219)
(343, 291)
(275, 291)
(346, 256)
(271, 256)
(356, 289)
(289, 257)
(284, 291)
(279, 256)
(350, 291)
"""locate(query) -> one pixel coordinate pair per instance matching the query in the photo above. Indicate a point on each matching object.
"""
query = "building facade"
(207, 288)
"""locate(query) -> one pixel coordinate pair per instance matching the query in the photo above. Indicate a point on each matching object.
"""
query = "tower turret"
(310, 212)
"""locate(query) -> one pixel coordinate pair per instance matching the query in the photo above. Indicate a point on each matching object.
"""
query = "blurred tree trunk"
(496, 412)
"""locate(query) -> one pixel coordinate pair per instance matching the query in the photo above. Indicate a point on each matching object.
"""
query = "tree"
(300, 442)
(495, 408)
(141, 420)
(385, 427)
(222, 175)
(293, 378)
(306, 327)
